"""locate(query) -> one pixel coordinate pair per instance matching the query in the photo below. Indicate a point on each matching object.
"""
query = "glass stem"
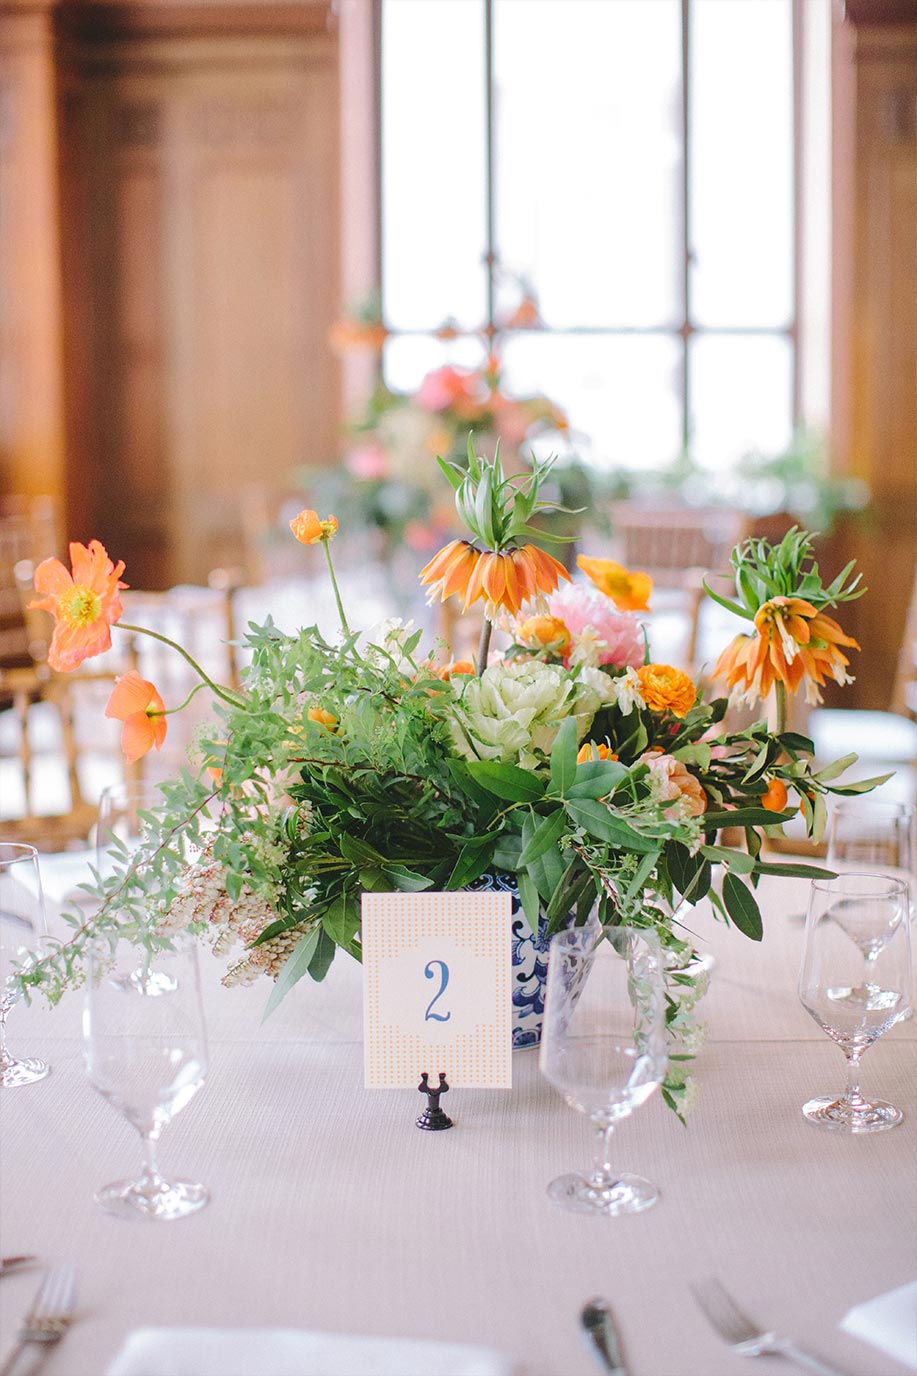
(150, 1179)
(603, 1174)
(852, 1097)
(6, 1060)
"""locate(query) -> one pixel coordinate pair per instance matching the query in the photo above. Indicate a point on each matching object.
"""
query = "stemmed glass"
(146, 1053)
(856, 1000)
(23, 930)
(603, 1049)
(875, 835)
(120, 828)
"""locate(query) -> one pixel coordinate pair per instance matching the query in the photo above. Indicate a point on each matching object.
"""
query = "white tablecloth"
(331, 1211)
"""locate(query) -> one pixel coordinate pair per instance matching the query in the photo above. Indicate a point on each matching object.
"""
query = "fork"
(47, 1320)
(747, 1337)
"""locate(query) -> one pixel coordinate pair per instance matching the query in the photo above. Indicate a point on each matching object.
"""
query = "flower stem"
(484, 645)
(337, 592)
(231, 698)
(780, 702)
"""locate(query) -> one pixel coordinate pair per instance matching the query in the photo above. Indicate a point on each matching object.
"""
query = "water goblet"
(23, 930)
(121, 827)
(856, 1000)
(146, 1053)
(873, 834)
(603, 1049)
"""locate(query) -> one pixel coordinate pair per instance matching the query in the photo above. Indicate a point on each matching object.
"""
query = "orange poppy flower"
(323, 718)
(310, 529)
(85, 604)
(544, 633)
(630, 592)
(506, 580)
(666, 689)
(795, 644)
(135, 702)
(593, 751)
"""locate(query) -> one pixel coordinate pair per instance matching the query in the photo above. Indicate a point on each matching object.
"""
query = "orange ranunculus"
(630, 592)
(505, 580)
(775, 795)
(310, 529)
(323, 718)
(795, 644)
(135, 702)
(666, 689)
(593, 751)
(544, 633)
(85, 604)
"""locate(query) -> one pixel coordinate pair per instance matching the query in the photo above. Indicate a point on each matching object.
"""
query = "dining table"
(331, 1212)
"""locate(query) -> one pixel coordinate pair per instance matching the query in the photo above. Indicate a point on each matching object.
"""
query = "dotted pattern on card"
(476, 1053)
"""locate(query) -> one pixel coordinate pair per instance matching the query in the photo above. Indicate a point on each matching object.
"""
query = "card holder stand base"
(433, 1118)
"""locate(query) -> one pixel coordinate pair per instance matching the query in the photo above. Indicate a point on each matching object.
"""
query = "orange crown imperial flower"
(85, 604)
(135, 702)
(310, 529)
(794, 644)
(505, 580)
(630, 592)
(667, 689)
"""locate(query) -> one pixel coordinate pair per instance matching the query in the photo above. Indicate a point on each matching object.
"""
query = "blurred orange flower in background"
(667, 689)
(85, 603)
(135, 702)
(630, 592)
(795, 644)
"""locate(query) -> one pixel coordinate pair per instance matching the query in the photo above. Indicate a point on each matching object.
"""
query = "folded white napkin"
(293, 1352)
(889, 1323)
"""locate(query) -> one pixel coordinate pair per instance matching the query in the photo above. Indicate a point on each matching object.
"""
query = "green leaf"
(602, 824)
(324, 954)
(507, 781)
(746, 817)
(833, 771)
(408, 881)
(791, 740)
(736, 860)
(742, 907)
(293, 970)
(358, 852)
(597, 779)
(689, 873)
(546, 834)
(528, 894)
(474, 858)
(563, 758)
(790, 871)
(454, 477)
(342, 920)
(863, 786)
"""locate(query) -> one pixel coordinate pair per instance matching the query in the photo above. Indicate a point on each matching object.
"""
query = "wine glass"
(146, 1053)
(856, 1000)
(23, 929)
(121, 828)
(873, 834)
(603, 1049)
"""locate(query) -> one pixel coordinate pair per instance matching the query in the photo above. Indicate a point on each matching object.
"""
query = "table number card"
(436, 989)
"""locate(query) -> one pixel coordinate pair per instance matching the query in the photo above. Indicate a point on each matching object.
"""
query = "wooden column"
(32, 441)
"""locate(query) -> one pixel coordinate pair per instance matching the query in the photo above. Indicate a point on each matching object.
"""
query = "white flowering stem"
(484, 645)
(326, 546)
(234, 700)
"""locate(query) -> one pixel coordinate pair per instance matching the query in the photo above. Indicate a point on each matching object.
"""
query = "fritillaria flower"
(794, 644)
(506, 579)
(85, 603)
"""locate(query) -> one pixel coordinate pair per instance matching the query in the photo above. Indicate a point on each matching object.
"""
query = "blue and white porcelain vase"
(530, 962)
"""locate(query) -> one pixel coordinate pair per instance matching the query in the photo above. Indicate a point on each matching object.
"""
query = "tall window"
(632, 163)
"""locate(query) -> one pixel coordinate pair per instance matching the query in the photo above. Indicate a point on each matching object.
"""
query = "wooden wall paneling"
(879, 393)
(32, 438)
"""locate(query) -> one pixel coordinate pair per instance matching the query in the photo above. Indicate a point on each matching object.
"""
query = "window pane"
(741, 396)
(408, 359)
(621, 394)
(741, 87)
(433, 158)
(588, 158)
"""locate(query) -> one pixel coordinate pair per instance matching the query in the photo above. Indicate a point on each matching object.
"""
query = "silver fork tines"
(747, 1337)
(51, 1312)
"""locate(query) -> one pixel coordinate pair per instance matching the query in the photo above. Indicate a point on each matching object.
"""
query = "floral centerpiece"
(596, 778)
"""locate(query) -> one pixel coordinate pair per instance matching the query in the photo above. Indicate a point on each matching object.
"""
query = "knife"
(597, 1322)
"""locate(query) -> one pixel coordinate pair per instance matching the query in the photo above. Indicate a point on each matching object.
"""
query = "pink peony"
(618, 637)
(672, 780)
(368, 461)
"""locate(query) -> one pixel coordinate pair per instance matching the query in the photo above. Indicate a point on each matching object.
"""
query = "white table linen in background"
(332, 1213)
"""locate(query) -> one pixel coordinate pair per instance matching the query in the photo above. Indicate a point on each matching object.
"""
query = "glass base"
(834, 1113)
(14, 1073)
(628, 1194)
(167, 1200)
